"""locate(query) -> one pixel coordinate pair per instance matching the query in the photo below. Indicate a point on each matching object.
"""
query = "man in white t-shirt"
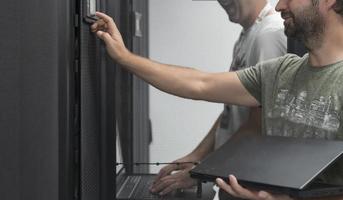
(262, 38)
(283, 87)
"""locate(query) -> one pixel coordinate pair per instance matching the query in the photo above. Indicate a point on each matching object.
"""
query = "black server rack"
(36, 99)
(111, 96)
(60, 96)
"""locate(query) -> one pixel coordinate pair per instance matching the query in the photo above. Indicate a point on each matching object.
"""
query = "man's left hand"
(236, 190)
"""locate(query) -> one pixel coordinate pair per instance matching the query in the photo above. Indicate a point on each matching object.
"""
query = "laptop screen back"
(271, 160)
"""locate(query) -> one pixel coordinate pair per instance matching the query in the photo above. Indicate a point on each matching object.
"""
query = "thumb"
(264, 195)
(106, 37)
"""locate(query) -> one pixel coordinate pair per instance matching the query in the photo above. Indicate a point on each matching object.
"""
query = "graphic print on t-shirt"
(318, 117)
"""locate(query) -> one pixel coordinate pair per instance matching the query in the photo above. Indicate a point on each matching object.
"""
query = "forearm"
(190, 83)
(252, 125)
(206, 146)
(180, 81)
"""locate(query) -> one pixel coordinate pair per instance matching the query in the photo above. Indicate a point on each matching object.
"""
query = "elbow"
(198, 91)
(190, 93)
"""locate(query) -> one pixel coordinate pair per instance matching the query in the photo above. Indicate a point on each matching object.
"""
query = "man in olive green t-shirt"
(300, 97)
(299, 100)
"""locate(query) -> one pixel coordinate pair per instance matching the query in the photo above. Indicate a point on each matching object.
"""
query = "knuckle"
(164, 182)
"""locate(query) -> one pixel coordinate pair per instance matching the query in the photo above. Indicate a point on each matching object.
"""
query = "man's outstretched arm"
(181, 81)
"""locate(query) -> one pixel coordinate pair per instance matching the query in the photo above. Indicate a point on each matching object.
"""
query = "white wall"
(273, 2)
(187, 33)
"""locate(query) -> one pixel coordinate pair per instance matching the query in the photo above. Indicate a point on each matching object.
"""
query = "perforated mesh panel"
(90, 127)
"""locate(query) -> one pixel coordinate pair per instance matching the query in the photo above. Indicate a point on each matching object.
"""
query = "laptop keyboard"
(143, 191)
(130, 184)
(137, 187)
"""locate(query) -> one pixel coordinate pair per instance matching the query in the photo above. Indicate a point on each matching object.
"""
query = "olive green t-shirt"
(297, 99)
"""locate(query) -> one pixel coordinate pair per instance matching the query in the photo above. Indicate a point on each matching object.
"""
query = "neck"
(330, 49)
(255, 11)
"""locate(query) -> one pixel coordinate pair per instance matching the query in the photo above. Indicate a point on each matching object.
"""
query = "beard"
(305, 25)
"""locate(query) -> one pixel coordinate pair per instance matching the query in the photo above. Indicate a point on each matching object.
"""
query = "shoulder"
(267, 39)
(271, 23)
(292, 59)
(281, 64)
(290, 63)
(269, 26)
(270, 31)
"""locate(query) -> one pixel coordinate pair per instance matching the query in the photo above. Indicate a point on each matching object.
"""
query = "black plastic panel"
(30, 90)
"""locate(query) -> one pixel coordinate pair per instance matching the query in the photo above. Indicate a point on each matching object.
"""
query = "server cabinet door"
(34, 116)
(97, 108)
(141, 122)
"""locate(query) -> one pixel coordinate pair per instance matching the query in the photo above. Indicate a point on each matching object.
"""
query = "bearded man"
(300, 96)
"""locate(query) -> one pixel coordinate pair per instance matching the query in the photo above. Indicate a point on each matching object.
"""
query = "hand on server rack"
(106, 29)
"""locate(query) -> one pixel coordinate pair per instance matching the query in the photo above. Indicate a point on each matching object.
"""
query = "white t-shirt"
(264, 40)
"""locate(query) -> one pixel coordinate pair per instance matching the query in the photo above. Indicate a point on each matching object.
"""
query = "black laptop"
(136, 186)
(277, 164)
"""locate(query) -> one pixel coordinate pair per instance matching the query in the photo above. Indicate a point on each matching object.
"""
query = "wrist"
(201, 152)
(124, 56)
(194, 156)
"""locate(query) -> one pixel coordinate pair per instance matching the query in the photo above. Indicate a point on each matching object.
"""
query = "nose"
(281, 5)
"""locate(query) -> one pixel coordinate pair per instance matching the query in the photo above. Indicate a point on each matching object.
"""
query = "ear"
(338, 7)
(333, 4)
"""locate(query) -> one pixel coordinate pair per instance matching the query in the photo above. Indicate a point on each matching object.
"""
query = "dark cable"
(158, 163)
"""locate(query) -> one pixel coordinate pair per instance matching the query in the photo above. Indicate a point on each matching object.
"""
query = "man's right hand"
(106, 30)
(173, 177)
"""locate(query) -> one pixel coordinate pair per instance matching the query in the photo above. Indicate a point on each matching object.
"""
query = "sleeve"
(268, 45)
(255, 77)
(251, 80)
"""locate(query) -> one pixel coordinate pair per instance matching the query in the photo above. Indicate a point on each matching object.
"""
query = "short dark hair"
(338, 7)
